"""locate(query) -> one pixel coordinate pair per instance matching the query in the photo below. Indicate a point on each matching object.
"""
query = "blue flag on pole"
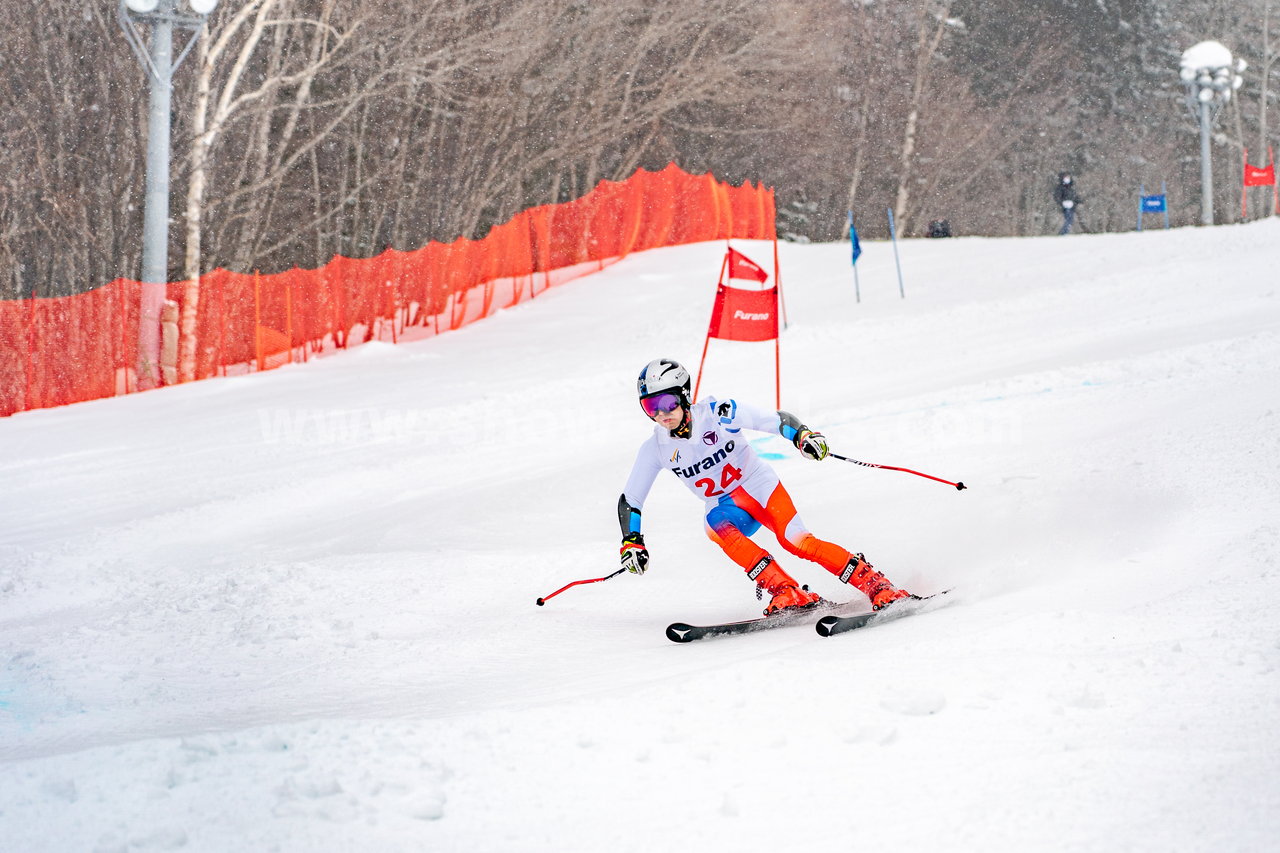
(853, 238)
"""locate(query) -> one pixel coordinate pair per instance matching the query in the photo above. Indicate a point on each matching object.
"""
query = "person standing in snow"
(703, 445)
(1064, 193)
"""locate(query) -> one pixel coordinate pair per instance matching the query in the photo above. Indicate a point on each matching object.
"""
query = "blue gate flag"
(853, 238)
(1154, 204)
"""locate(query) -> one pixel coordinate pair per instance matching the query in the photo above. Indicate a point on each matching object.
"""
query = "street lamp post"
(1210, 77)
(158, 60)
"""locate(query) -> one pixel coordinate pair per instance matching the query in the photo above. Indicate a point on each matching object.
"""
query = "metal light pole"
(1206, 163)
(1210, 77)
(163, 16)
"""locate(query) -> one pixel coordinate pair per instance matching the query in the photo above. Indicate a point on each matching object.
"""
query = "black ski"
(680, 632)
(834, 624)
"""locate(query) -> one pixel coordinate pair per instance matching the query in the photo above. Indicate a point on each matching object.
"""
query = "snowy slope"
(295, 610)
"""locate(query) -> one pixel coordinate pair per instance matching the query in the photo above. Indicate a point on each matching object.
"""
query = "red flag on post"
(744, 315)
(744, 269)
(740, 314)
(1256, 176)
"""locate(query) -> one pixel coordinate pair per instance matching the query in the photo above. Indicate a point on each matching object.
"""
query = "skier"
(703, 445)
(1065, 195)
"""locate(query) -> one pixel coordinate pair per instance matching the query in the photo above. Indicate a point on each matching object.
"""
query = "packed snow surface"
(295, 610)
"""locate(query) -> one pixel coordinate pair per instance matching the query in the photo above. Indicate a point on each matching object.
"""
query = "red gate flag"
(1256, 176)
(744, 315)
(743, 268)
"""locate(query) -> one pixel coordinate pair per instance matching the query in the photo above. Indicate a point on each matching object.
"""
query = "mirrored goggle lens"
(660, 403)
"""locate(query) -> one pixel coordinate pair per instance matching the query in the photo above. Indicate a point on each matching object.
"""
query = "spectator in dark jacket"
(939, 228)
(1065, 195)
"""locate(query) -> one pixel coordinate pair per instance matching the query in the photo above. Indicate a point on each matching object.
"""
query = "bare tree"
(69, 129)
(931, 26)
(249, 25)
(204, 130)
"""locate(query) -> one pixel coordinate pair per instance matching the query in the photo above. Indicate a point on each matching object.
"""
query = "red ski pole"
(904, 470)
(543, 600)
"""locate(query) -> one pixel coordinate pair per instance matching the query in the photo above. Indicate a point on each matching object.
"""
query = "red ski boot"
(861, 575)
(787, 594)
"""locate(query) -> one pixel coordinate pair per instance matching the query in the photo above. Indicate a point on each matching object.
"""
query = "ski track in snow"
(295, 610)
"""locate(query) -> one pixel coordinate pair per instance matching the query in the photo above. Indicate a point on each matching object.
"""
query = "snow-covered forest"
(336, 127)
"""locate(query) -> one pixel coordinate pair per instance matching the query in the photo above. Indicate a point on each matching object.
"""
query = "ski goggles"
(659, 404)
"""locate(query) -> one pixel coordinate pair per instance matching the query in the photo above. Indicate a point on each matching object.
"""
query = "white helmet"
(662, 375)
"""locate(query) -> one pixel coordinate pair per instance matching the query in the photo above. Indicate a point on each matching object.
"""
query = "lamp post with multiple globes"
(1210, 77)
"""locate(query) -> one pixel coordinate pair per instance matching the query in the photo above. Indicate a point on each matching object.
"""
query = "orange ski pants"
(731, 522)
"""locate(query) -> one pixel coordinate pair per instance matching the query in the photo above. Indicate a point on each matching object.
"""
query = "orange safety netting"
(84, 347)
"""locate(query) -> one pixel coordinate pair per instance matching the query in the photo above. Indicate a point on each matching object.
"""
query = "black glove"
(635, 557)
(812, 445)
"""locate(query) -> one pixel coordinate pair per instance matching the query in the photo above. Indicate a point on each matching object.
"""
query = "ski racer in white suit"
(703, 445)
